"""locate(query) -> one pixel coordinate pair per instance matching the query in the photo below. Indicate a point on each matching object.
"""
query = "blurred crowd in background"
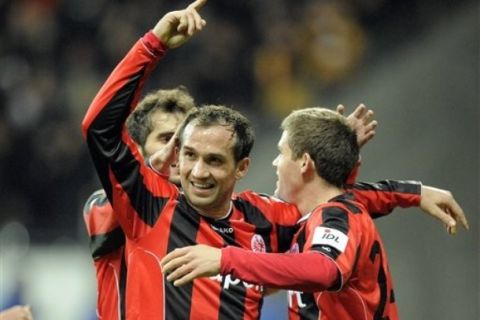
(263, 57)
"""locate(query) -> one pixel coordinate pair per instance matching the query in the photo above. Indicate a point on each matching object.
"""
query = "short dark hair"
(327, 138)
(176, 100)
(210, 115)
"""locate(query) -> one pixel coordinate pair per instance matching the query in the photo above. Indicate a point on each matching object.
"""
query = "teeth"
(202, 185)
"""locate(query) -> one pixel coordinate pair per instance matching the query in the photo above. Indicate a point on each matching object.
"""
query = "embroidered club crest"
(258, 245)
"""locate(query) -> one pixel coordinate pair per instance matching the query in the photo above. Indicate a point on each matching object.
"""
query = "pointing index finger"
(198, 4)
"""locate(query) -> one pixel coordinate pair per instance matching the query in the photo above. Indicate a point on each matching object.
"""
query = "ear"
(242, 168)
(307, 165)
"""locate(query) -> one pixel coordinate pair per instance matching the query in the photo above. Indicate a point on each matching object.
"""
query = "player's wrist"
(225, 258)
(154, 44)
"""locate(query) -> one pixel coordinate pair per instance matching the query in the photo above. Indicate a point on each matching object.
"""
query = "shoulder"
(259, 198)
(330, 210)
(334, 214)
(272, 208)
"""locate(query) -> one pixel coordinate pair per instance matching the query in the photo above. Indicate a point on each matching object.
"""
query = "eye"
(215, 161)
(164, 138)
(188, 155)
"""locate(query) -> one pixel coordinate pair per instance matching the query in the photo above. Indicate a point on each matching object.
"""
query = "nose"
(199, 170)
(275, 161)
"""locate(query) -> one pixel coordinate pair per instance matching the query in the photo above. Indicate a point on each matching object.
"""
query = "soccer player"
(337, 258)
(157, 217)
(151, 125)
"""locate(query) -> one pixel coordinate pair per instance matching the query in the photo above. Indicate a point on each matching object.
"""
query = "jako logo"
(222, 229)
(231, 281)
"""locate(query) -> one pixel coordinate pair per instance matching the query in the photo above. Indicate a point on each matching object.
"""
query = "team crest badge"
(258, 244)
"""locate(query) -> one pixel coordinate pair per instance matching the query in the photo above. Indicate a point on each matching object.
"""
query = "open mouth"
(202, 188)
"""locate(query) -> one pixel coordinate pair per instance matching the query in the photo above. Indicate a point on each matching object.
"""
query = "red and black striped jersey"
(107, 245)
(343, 230)
(156, 218)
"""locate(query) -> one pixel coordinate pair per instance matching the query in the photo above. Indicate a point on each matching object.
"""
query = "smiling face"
(289, 175)
(208, 169)
(163, 127)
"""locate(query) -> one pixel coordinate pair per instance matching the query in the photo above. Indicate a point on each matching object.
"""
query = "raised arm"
(126, 180)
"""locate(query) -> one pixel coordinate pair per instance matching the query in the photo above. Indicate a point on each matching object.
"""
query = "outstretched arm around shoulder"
(276, 270)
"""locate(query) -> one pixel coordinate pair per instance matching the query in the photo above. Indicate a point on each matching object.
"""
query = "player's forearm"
(110, 146)
(103, 125)
(306, 272)
(123, 87)
(382, 197)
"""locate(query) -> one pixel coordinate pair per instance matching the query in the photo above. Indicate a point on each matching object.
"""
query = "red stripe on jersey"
(100, 219)
(107, 245)
(144, 283)
(109, 274)
(128, 218)
(206, 292)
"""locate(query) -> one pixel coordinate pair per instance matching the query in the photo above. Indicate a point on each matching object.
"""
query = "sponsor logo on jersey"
(330, 237)
(258, 244)
(229, 281)
(222, 229)
(295, 296)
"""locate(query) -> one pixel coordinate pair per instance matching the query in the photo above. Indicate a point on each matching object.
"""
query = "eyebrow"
(164, 135)
(209, 155)
(188, 148)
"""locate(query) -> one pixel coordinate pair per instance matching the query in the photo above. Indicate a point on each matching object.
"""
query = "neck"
(314, 194)
(213, 213)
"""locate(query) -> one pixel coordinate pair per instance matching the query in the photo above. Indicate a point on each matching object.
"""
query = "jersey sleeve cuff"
(225, 266)
(154, 45)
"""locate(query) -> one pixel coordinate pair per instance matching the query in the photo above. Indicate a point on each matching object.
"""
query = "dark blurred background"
(416, 63)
